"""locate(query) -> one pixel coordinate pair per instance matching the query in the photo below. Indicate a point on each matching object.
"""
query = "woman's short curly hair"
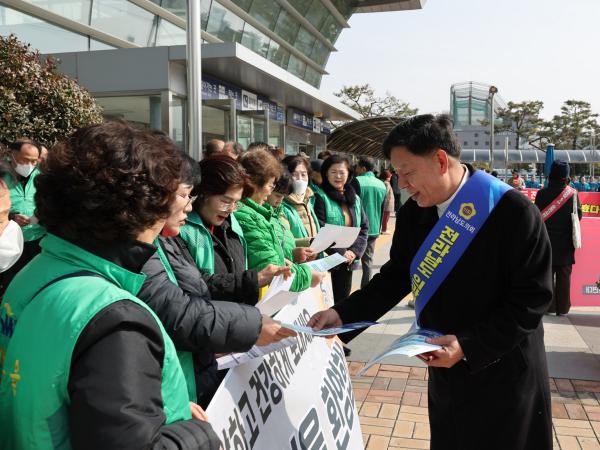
(220, 172)
(107, 182)
(260, 166)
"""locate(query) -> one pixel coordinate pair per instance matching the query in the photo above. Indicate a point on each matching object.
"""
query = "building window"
(124, 20)
(487, 142)
(476, 134)
(225, 25)
(143, 111)
(497, 142)
(287, 27)
(304, 41)
(465, 143)
(319, 53)
(255, 40)
(476, 143)
(317, 14)
(266, 12)
(42, 36)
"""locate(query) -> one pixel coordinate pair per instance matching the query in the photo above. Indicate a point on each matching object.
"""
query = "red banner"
(586, 271)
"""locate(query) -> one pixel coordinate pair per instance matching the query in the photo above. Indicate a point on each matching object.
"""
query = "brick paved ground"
(392, 404)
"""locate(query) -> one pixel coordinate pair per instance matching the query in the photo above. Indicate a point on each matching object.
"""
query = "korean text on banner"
(298, 397)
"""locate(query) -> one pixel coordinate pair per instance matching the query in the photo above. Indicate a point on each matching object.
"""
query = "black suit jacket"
(493, 301)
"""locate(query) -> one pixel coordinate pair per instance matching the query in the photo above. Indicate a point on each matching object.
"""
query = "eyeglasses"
(226, 205)
(190, 199)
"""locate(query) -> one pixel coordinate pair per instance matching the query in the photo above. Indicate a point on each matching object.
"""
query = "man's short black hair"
(367, 163)
(19, 143)
(422, 135)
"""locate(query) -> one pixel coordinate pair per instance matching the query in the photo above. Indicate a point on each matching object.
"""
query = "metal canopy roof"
(362, 137)
(365, 137)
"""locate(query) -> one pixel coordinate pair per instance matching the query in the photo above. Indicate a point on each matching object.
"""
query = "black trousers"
(561, 293)
(30, 250)
(341, 282)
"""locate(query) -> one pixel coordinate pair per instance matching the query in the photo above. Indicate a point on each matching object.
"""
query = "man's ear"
(442, 159)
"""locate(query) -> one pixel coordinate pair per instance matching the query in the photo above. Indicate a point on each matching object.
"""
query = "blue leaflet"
(328, 331)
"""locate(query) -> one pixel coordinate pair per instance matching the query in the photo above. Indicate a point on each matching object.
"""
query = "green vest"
(334, 214)
(372, 194)
(186, 359)
(39, 334)
(23, 202)
(316, 189)
(200, 244)
(296, 225)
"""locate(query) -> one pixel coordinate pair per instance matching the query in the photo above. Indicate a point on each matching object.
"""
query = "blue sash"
(452, 235)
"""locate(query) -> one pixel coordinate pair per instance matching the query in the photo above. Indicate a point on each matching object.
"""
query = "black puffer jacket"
(116, 374)
(231, 281)
(195, 322)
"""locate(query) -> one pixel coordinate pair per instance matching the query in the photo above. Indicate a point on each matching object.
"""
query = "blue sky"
(545, 50)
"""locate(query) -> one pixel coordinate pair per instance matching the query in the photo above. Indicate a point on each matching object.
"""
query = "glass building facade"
(470, 103)
(297, 35)
(244, 98)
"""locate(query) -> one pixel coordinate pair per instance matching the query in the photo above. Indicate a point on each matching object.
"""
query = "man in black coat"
(560, 230)
(488, 385)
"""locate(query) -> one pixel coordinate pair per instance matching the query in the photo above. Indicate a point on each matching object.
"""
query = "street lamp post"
(194, 79)
(493, 91)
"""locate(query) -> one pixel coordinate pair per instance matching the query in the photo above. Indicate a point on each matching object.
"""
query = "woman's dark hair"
(293, 161)
(107, 182)
(422, 135)
(258, 145)
(284, 184)
(349, 195)
(324, 154)
(260, 165)
(190, 170)
(385, 174)
(219, 174)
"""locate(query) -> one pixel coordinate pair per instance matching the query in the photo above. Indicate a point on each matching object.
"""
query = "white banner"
(299, 397)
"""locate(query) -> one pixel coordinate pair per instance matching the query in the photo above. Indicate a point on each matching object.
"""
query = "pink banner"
(586, 271)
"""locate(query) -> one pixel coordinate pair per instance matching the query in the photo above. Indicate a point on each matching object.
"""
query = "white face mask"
(24, 169)
(11, 245)
(300, 187)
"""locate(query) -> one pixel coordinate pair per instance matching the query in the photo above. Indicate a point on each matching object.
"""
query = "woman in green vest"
(298, 207)
(198, 324)
(24, 156)
(283, 188)
(260, 224)
(216, 240)
(338, 204)
(86, 364)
